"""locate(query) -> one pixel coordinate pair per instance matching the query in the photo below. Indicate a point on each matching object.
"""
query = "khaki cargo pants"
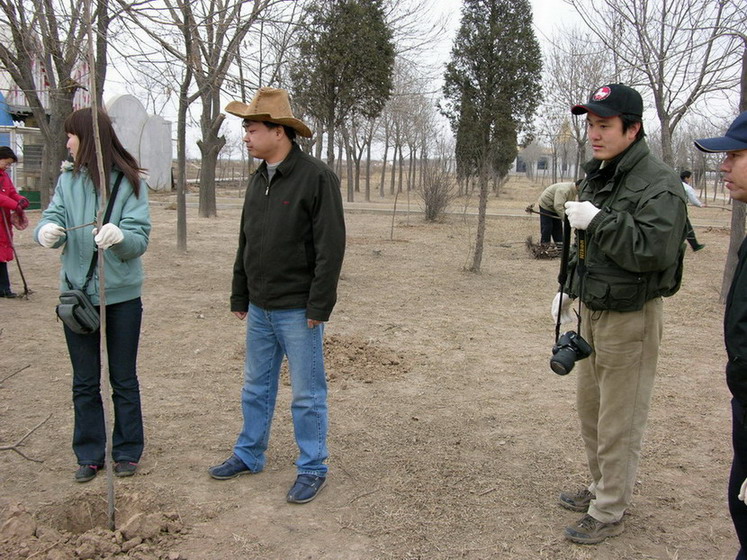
(614, 392)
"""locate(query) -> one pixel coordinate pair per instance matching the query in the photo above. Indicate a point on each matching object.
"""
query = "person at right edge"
(631, 216)
(288, 262)
(734, 168)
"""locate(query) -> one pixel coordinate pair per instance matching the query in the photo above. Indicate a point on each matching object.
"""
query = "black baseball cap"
(612, 100)
(734, 139)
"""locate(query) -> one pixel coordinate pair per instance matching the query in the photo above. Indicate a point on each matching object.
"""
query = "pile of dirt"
(75, 528)
(352, 357)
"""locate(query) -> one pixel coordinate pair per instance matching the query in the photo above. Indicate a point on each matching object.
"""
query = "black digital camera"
(569, 348)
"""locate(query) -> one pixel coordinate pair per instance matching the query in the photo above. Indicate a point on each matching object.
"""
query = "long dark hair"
(114, 153)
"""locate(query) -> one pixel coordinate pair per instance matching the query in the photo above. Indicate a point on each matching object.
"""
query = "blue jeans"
(270, 335)
(89, 436)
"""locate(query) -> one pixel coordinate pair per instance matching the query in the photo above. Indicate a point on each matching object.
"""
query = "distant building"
(147, 137)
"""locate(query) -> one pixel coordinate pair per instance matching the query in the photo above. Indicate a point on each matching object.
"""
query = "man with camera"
(734, 168)
(630, 233)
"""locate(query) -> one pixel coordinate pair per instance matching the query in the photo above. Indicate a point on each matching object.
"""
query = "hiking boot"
(576, 502)
(86, 473)
(590, 531)
(306, 488)
(124, 468)
(230, 468)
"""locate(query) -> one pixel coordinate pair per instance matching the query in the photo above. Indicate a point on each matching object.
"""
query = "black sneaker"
(591, 531)
(86, 473)
(306, 488)
(8, 294)
(576, 502)
(698, 247)
(124, 468)
(230, 468)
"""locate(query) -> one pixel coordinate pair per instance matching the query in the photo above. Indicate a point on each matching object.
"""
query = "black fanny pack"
(75, 308)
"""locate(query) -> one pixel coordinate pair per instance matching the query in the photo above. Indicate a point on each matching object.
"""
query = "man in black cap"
(734, 168)
(630, 223)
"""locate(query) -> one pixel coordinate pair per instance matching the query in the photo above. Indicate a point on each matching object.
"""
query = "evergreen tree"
(492, 89)
(345, 63)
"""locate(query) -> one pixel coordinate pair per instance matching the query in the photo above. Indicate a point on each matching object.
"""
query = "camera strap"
(107, 216)
(563, 274)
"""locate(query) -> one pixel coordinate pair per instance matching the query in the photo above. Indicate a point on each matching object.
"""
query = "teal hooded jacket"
(76, 202)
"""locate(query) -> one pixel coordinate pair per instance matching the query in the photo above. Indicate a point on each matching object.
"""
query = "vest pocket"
(610, 289)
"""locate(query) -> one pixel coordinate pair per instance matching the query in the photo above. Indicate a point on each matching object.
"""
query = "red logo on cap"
(601, 94)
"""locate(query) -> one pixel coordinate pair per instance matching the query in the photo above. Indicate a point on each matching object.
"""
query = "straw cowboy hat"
(271, 105)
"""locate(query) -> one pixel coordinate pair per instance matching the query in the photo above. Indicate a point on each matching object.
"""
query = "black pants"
(4, 278)
(550, 226)
(691, 235)
(89, 437)
(737, 507)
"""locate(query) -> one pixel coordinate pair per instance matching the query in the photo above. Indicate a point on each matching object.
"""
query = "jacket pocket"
(612, 289)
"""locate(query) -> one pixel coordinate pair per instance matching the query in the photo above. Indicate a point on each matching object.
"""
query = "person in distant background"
(10, 203)
(693, 199)
(551, 204)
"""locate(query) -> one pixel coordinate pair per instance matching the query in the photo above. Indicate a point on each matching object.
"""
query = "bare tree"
(678, 49)
(576, 64)
(50, 35)
(210, 32)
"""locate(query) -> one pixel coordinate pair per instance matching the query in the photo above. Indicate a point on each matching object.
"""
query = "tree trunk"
(61, 105)
(210, 146)
(393, 180)
(349, 169)
(330, 125)
(102, 31)
(666, 143)
(368, 172)
(482, 211)
(181, 177)
(383, 168)
(401, 160)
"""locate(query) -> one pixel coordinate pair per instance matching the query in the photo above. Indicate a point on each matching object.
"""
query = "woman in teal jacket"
(124, 239)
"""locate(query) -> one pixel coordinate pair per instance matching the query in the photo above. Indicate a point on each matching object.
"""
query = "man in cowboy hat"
(291, 246)
(734, 167)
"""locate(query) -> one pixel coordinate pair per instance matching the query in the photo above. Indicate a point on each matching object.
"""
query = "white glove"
(109, 235)
(49, 234)
(580, 214)
(743, 492)
(566, 313)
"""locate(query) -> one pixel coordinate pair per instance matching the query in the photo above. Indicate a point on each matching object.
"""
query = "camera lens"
(563, 361)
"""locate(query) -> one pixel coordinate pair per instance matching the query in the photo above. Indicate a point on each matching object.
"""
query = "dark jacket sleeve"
(239, 286)
(646, 240)
(328, 226)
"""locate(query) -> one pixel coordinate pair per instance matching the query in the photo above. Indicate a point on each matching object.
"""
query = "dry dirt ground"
(449, 435)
